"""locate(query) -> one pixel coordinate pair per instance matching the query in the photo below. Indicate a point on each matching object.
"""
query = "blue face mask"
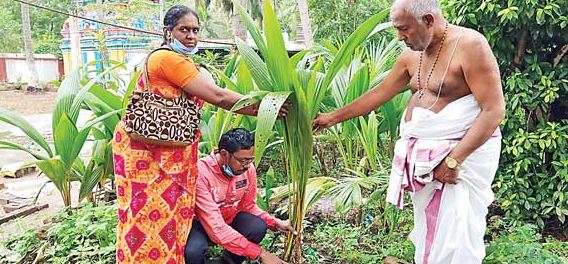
(228, 171)
(178, 47)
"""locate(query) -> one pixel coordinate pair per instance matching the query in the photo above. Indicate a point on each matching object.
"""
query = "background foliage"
(46, 27)
(528, 38)
(337, 19)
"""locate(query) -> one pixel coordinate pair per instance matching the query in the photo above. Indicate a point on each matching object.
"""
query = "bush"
(338, 19)
(83, 235)
(377, 237)
(528, 38)
(519, 245)
(49, 44)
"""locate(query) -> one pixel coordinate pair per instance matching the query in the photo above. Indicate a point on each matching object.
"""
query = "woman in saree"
(156, 183)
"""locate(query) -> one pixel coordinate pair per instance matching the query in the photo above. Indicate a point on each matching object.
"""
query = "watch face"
(451, 163)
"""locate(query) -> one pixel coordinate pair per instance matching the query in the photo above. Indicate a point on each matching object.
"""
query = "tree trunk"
(305, 21)
(27, 32)
(75, 38)
(162, 10)
(239, 28)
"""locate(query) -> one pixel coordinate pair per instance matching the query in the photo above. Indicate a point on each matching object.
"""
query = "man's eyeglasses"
(243, 161)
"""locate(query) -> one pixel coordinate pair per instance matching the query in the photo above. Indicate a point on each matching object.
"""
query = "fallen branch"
(22, 212)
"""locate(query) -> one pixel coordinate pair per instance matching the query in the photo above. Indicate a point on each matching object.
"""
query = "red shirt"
(219, 199)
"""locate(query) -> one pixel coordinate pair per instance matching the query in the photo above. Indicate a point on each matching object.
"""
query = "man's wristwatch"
(452, 163)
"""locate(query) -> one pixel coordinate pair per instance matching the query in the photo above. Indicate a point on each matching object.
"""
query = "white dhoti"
(449, 219)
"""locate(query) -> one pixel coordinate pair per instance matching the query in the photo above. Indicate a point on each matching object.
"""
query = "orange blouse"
(168, 71)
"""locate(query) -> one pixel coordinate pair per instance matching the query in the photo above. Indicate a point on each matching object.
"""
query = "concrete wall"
(13, 68)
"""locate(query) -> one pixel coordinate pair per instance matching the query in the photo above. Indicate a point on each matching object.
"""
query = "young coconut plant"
(61, 162)
(279, 80)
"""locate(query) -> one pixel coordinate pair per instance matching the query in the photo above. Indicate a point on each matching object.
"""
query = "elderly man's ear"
(428, 19)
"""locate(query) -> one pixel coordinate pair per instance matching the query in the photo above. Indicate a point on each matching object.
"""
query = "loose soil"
(27, 103)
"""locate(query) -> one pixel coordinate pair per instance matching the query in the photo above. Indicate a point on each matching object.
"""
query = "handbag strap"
(145, 71)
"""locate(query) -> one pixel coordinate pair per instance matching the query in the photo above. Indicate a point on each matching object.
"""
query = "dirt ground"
(26, 103)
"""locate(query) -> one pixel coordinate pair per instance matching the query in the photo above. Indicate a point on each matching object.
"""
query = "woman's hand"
(283, 111)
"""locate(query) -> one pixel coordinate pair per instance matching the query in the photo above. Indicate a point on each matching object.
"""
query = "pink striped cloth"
(413, 164)
(425, 141)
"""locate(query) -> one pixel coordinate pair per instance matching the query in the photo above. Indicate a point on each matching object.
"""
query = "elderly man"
(226, 205)
(450, 141)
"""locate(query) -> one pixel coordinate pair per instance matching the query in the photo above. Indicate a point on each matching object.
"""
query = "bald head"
(417, 8)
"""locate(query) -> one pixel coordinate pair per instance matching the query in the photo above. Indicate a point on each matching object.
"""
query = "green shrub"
(338, 19)
(521, 245)
(528, 38)
(22, 244)
(370, 242)
(82, 235)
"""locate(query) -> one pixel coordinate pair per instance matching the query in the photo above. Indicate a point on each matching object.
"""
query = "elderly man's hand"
(322, 121)
(285, 227)
(444, 174)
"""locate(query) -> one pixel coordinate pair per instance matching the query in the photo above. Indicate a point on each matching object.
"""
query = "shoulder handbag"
(154, 119)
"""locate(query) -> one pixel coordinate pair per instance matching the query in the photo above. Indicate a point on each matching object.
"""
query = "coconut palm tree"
(28, 49)
(305, 21)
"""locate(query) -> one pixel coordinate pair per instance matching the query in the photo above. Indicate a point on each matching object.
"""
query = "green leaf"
(13, 146)
(245, 82)
(56, 171)
(129, 91)
(65, 97)
(89, 180)
(64, 137)
(257, 67)
(79, 97)
(277, 59)
(267, 114)
(17, 121)
(348, 48)
(100, 108)
(225, 79)
(254, 32)
(111, 99)
(249, 99)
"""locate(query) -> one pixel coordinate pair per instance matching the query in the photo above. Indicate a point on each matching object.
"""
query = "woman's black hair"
(174, 14)
(236, 139)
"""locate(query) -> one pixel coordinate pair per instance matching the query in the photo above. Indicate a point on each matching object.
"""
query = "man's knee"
(196, 246)
(251, 226)
(195, 253)
(258, 230)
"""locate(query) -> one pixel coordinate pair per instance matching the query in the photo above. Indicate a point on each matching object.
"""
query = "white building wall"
(17, 70)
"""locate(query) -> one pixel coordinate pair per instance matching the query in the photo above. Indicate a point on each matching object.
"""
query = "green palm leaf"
(56, 171)
(257, 67)
(13, 146)
(348, 48)
(65, 97)
(130, 89)
(64, 137)
(17, 121)
(267, 114)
